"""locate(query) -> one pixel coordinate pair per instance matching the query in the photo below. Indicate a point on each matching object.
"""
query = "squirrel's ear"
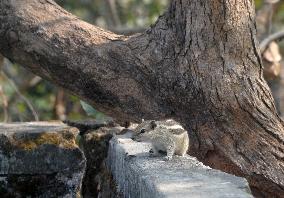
(153, 124)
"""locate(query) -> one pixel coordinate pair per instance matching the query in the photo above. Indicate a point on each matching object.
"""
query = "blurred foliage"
(50, 102)
(131, 13)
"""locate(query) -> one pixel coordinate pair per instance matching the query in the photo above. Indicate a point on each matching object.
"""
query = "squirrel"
(165, 136)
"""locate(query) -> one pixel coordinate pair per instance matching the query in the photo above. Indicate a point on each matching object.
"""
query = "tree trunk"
(199, 64)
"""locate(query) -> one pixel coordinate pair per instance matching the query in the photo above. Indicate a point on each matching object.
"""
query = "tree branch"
(273, 37)
(199, 64)
(4, 104)
(113, 12)
(28, 103)
(101, 67)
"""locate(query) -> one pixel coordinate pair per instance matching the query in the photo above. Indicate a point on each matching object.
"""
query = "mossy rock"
(40, 159)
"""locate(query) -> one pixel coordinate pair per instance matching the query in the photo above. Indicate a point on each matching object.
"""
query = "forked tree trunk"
(199, 64)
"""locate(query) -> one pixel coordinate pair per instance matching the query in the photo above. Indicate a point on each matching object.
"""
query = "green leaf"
(90, 111)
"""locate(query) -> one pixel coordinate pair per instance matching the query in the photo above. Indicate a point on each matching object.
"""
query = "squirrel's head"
(141, 133)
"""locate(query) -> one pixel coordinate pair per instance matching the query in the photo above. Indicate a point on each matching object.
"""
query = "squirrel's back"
(165, 135)
(182, 143)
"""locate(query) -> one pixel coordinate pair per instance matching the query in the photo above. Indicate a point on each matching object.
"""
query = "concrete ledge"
(139, 176)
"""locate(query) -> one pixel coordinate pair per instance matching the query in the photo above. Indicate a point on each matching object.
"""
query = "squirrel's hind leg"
(170, 151)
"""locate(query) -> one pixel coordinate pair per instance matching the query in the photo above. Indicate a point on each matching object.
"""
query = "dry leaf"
(272, 53)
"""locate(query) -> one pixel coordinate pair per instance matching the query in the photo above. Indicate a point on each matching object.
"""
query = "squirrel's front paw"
(152, 153)
(168, 158)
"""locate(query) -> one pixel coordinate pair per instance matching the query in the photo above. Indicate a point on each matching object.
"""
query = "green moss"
(27, 145)
(46, 138)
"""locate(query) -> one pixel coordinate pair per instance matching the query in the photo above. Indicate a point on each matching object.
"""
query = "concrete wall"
(139, 176)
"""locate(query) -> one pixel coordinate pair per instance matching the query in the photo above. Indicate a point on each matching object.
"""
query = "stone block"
(40, 159)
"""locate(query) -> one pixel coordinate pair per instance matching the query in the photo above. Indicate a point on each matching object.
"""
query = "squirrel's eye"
(142, 131)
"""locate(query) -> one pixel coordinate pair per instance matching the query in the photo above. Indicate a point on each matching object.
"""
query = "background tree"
(199, 64)
(51, 103)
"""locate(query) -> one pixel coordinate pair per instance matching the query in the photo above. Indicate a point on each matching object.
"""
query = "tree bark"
(198, 64)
